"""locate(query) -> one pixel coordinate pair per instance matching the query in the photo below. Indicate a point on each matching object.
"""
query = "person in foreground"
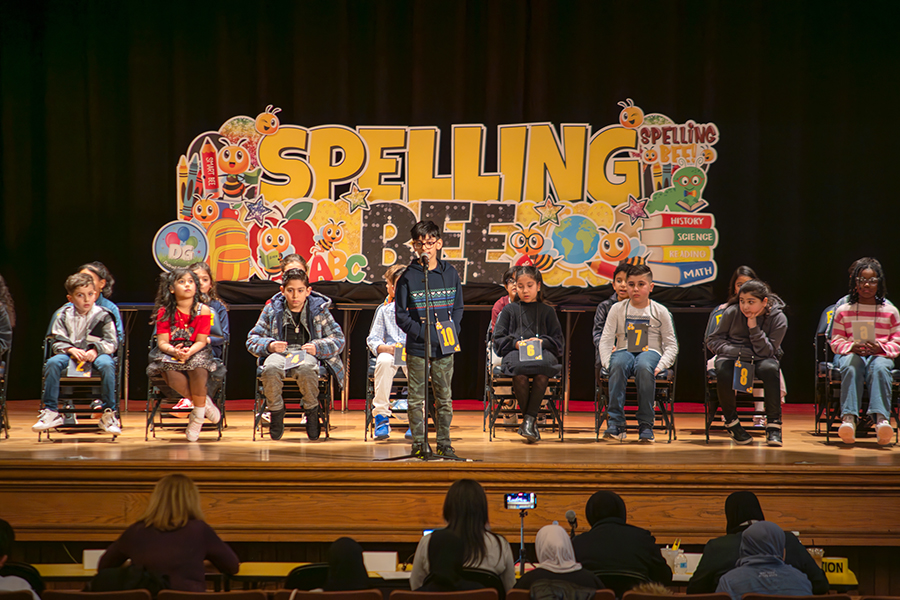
(171, 539)
(11, 583)
(613, 545)
(761, 568)
(466, 514)
(556, 559)
(346, 568)
(742, 510)
(446, 555)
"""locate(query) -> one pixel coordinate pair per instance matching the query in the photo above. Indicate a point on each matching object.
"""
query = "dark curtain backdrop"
(99, 98)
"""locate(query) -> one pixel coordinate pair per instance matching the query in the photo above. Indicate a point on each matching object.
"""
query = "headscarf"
(445, 563)
(742, 508)
(603, 505)
(346, 570)
(554, 550)
(762, 542)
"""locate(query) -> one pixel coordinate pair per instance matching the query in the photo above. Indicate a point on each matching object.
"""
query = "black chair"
(500, 399)
(294, 417)
(621, 581)
(4, 387)
(488, 579)
(77, 394)
(307, 577)
(26, 572)
(162, 399)
(399, 390)
(664, 403)
(828, 387)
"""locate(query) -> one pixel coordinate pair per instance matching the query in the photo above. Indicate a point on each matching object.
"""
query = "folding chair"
(161, 401)
(77, 395)
(399, 390)
(4, 387)
(293, 404)
(828, 388)
(500, 399)
(664, 402)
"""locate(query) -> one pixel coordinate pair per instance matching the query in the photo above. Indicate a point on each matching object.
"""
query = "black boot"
(528, 430)
(773, 434)
(312, 423)
(276, 425)
(738, 433)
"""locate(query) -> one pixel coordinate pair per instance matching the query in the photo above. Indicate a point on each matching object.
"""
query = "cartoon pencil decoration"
(210, 171)
(182, 184)
(193, 182)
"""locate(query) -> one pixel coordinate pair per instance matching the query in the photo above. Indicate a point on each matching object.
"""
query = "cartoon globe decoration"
(576, 239)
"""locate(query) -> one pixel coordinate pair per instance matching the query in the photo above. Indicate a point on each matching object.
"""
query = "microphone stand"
(426, 450)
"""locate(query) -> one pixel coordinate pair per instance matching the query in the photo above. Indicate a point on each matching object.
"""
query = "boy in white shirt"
(383, 340)
(638, 341)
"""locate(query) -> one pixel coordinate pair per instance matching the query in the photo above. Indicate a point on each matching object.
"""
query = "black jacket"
(409, 303)
(613, 545)
(599, 322)
(720, 555)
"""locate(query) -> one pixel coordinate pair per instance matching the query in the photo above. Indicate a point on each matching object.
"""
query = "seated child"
(384, 337)
(84, 332)
(103, 283)
(296, 320)
(620, 292)
(866, 361)
(182, 356)
(509, 282)
(657, 355)
(7, 320)
(751, 329)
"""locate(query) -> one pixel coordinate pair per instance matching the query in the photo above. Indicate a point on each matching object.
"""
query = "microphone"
(422, 259)
(573, 521)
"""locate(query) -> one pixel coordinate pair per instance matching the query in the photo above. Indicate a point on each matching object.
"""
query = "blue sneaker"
(382, 427)
(408, 434)
(615, 432)
(645, 433)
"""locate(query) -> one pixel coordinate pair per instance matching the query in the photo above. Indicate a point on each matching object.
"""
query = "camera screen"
(521, 500)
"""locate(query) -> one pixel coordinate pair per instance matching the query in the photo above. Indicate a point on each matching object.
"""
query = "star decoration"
(356, 197)
(549, 211)
(636, 209)
(257, 211)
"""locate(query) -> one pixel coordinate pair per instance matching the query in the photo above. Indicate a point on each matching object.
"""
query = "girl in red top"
(182, 356)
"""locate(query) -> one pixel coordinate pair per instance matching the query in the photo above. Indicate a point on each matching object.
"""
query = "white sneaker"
(212, 411)
(47, 419)
(847, 430)
(184, 403)
(759, 421)
(883, 431)
(109, 423)
(266, 417)
(510, 418)
(195, 424)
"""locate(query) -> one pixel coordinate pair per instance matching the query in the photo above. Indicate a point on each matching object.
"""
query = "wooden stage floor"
(297, 490)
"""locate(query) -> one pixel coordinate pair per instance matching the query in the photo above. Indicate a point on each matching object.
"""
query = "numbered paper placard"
(447, 335)
(863, 331)
(399, 355)
(636, 336)
(531, 350)
(743, 377)
(293, 358)
(79, 368)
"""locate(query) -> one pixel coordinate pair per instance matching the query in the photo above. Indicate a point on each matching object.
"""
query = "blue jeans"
(874, 370)
(57, 366)
(640, 365)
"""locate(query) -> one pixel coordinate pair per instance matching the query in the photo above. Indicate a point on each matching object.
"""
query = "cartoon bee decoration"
(329, 234)
(529, 242)
(233, 161)
(631, 116)
(266, 122)
(616, 247)
(274, 243)
(206, 210)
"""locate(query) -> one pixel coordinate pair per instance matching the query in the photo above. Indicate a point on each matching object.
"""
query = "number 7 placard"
(637, 337)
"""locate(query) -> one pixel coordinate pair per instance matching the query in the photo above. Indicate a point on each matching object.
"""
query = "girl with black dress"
(526, 320)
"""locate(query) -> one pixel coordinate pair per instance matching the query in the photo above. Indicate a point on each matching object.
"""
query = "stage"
(86, 487)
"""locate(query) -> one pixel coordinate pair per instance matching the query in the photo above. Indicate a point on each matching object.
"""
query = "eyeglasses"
(430, 244)
(869, 281)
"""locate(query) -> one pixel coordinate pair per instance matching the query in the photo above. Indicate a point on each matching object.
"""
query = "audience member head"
(740, 276)
(7, 537)
(204, 275)
(742, 509)
(862, 288)
(7, 302)
(651, 588)
(529, 284)
(103, 279)
(604, 505)
(446, 557)
(346, 569)
(293, 261)
(175, 501)
(763, 538)
(80, 291)
(466, 514)
(554, 550)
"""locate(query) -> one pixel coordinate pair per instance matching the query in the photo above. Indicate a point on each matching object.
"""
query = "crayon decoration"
(193, 187)
(210, 171)
(182, 184)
